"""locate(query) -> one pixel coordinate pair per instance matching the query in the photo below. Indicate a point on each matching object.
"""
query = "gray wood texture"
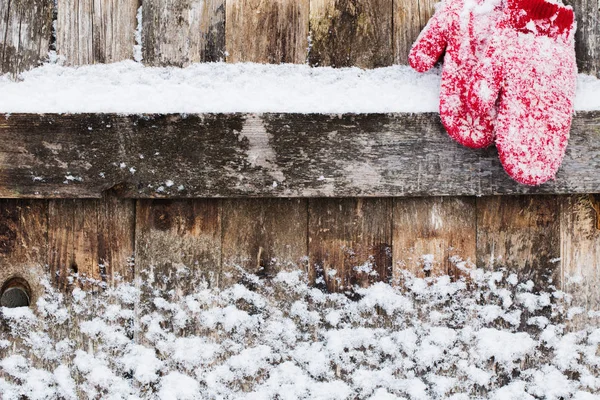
(273, 31)
(587, 37)
(181, 32)
(268, 155)
(95, 31)
(410, 17)
(346, 33)
(25, 31)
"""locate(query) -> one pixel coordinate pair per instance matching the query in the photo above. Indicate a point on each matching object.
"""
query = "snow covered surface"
(129, 88)
(282, 338)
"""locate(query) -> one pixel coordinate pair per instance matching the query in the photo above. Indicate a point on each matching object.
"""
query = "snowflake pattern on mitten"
(529, 72)
(462, 29)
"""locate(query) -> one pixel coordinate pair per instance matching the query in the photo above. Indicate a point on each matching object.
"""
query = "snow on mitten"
(461, 28)
(530, 72)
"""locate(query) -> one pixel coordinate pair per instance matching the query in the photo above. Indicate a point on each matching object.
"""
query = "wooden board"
(410, 17)
(587, 36)
(521, 234)
(176, 241)
(441, 227)
(95, 31)
(267, 155)
(263, 236)
(181, 32)
(580, 252)
(91, 238)
(349, 242)
(24, 242)
(347, 33)
(267, 31)
(25, 31)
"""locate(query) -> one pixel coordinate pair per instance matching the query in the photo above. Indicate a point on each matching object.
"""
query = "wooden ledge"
(264, 155)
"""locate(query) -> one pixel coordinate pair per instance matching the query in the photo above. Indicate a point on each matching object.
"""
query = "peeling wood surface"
(349, 242)
(263, 236)
(441, 227)
(25, 31)
(521, 234)
(587, 37)
(347, 33)
(410, 17)
(181, 32)
(268, 155)
(267, 31)
(580, 252)
(96, 31)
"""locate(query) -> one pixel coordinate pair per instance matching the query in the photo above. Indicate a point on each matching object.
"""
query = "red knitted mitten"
(462, 28)
(530, 71)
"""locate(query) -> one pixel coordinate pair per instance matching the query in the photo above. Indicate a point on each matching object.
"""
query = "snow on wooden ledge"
(264, 155)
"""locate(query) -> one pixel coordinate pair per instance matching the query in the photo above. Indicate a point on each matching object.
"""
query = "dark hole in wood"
(74, 268)
(15, 293)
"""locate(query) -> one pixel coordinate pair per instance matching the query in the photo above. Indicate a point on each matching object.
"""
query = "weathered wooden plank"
(176, 241)
(587, 36)
(267, 155)
(91, 238)
(580, 252)
(271, 31)
(263, 236)
(410, 17)
(522, 234)
(431, 235)
(95, 31)
(347, 33)
(25, 31)
(24, 242)
(180, 32)
(350, 242)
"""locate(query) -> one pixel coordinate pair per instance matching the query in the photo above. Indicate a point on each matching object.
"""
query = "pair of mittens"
(519, 92)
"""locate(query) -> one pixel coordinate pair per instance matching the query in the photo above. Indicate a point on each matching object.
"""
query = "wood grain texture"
(181, 32)
(267, 31)
(93, 239)
(176, 241)
(410, 17)
(25, 31)
(265, 155)
(587, 36)
(96, 31)
(442, 227)
(346, 33)
(350, 242)
(580, 253)
(263, 236)
(24, 242)
(521, 234)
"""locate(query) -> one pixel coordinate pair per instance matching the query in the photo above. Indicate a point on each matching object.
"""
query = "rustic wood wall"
(339, 33)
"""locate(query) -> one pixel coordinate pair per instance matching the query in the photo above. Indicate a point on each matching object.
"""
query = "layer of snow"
(488, 337)
(130, 88)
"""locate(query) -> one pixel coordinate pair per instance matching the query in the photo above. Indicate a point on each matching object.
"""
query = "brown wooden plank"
(91, 238)
(180, 32)
(263, 236)
(177, 243)
(347, 33)
(265, 155)
(95, 31)
(410, 17)
(25, 31)
(350, 242)
(522, 234)
(24, 242)
(587, 36)
(267, 31)
(432, 235)
(580, 252)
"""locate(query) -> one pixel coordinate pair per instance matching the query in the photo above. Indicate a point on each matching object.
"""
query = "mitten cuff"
(540, 17)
